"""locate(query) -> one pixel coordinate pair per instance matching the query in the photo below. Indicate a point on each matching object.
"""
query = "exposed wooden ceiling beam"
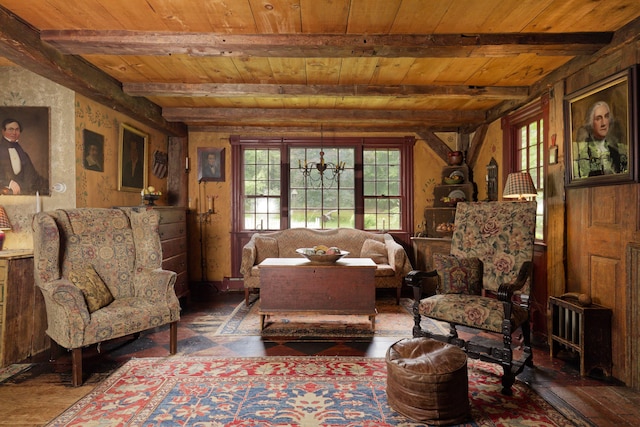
(436, 144)
(476, 145)
(21, 44)
(630, 33)
(243, 90)
(345, 116)
(123, 42)
(327, 128)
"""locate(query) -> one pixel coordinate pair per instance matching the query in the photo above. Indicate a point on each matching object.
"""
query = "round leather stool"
(427, 381)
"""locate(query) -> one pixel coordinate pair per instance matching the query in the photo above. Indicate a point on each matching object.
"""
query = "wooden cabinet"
(23, 318)
(173, 237)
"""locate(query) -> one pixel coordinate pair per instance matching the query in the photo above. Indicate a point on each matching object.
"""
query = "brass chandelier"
(321, 173)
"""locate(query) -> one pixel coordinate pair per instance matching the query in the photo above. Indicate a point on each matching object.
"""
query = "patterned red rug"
(281, 391)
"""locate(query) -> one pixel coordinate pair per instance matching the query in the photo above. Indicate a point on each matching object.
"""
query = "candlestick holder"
(205, 217)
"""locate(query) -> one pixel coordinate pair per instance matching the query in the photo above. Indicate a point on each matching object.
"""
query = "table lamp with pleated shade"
(4, 225)
(519, 186)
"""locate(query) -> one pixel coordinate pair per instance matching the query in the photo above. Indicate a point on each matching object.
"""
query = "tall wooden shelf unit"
(441, 212)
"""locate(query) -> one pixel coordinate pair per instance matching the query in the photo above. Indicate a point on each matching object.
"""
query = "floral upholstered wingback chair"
(100, 273)
(484, 283)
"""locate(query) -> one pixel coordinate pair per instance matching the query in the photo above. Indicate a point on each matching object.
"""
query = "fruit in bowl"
(322, 254)
(152, 191)
(453, 180)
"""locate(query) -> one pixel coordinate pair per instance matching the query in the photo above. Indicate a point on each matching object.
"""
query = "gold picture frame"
(132, 159)
(601, 132)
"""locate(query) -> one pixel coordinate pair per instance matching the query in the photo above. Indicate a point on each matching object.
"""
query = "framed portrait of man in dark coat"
(210, 164)
(132, 160)
(24, 151)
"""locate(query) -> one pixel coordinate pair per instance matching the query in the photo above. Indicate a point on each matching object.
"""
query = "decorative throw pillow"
(375, 250)
(458, 275)
(266, 247)
(95, 292)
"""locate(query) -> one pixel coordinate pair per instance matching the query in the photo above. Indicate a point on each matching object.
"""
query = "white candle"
(38, 205)
(210, 203)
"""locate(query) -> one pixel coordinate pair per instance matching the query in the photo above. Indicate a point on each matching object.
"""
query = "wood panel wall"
(601, 224)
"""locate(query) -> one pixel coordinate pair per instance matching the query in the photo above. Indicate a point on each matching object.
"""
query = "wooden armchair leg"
(398, 291)
(76, 366)
(173, 338)
(246, 297)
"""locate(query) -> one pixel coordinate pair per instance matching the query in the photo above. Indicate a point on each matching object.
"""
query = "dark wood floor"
(37, 395)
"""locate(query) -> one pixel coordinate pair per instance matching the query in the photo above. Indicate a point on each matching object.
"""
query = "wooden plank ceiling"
(294, 65)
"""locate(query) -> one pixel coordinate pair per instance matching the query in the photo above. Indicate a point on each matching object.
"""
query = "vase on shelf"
(455, 158)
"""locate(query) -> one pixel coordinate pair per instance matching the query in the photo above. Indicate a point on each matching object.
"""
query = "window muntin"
(530, 149)
(314, 205)
(339, 205)
(262, 189)
(382, 185)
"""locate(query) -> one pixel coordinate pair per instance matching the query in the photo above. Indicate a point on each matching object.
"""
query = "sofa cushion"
(266, 247)
(375, 250)
(96, 293)
(458, 275)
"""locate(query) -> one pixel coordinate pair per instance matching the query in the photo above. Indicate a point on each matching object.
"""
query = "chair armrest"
(414, 279)
(248, 257)
(155, 284)
(506, 290)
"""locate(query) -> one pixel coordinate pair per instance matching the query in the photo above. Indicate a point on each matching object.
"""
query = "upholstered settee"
(100, 273)
(390, 257)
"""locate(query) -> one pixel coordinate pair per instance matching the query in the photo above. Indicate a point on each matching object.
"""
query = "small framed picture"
(92, 151)
(210, 164)
(132, 161)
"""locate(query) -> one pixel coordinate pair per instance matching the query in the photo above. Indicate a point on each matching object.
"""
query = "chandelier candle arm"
(321, 166)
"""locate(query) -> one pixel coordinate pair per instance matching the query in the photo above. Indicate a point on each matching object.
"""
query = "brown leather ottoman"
(427, 381)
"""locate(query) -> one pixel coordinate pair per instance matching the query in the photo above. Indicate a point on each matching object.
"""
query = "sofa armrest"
(248, 257)
(398, 258)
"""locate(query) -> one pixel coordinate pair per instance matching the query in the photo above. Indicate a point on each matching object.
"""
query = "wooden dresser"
(173, 237)
(23, 319)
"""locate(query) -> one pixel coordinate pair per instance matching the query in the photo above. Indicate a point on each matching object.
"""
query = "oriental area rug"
(282, 391)
(392, 320)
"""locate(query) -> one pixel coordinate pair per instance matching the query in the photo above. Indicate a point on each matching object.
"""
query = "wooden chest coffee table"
(295, 285)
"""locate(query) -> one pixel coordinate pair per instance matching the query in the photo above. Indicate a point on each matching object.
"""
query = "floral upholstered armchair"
(484, 283)
(100, 273)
